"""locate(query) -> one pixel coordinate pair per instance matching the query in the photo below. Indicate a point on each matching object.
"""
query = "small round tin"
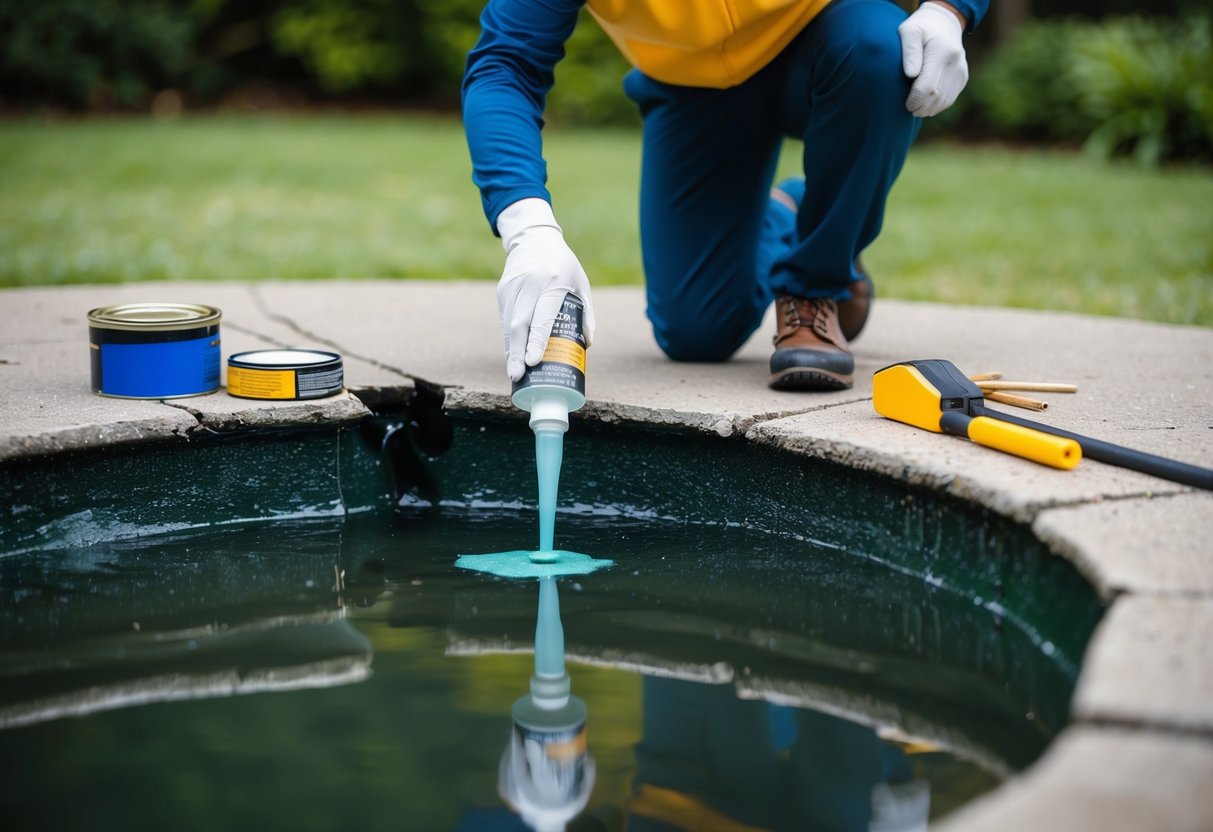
(284, 374)
(154, 350)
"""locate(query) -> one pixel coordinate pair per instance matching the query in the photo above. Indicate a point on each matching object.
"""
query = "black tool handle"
(1118, 455)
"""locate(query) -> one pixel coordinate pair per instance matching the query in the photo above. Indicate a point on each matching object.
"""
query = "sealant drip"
(549, 452)
(549, 632)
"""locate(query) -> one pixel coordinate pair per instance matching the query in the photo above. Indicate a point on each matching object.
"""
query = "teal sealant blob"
(524, 564)
(549, 391)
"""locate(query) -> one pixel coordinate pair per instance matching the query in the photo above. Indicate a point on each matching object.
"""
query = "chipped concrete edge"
(186, 419)
(938, 478)
(16, 448)
(1102, 779)
(722, 423)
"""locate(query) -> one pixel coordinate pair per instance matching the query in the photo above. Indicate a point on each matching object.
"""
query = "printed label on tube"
(563, 362)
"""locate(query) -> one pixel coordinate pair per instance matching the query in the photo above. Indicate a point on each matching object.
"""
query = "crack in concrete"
(291, 324)
(1188, 732)
(255, 334)
(773, 415)
(743, 424)
(1080, 502)
(198, 415)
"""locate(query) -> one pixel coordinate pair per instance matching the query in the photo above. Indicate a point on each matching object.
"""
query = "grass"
(245, 198)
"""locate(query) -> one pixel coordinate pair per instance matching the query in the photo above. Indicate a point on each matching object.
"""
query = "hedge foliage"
(1125, 85)
(1120, 85)
(107, 54)
(91, 52)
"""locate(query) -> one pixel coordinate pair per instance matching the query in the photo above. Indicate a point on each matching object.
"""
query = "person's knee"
(874, 63)
(696, 341)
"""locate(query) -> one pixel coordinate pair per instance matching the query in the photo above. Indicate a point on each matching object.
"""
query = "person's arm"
(932, 52)
(509, 72)
(508, 75)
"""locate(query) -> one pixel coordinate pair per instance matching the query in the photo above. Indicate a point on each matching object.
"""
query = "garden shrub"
(92, 52)
(1023, 89)
(1147, 86)
(1123, 85)
(589, 81)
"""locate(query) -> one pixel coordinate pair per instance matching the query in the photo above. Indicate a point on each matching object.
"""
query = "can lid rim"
(247, 359)
(154, 316)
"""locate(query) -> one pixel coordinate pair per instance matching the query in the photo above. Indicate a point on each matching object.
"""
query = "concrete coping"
(1139, 751)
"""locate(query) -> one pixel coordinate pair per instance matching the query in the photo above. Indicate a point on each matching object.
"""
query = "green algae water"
(344, 667)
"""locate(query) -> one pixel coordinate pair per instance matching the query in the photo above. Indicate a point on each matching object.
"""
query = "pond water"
(341, 672)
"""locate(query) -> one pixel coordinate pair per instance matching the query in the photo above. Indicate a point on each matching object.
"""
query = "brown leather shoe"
(853, 312)
(811, 353)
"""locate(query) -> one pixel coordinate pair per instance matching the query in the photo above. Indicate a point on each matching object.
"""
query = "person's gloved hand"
(540, 269)
(933, 55)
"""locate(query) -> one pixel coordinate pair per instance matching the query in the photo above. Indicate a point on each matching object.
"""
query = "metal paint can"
(154, 350)
(284, 374)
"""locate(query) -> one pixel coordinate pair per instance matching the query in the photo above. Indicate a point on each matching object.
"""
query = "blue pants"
(716, 250)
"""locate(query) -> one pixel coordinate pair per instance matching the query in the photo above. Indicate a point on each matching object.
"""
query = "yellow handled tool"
(934, 395)
(1013, 439)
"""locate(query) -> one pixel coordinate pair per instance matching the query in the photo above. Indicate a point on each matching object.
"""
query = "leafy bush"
(1147, 86)
(589, 81)
(345, 45)
(1024, 90)
(92, 52)
(1123, 85)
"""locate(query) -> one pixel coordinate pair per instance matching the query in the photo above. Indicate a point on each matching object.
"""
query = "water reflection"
(707, 759)
(126, 624)
(546, 774)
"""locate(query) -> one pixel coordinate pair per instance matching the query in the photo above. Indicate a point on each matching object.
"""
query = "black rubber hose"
(1118, 455)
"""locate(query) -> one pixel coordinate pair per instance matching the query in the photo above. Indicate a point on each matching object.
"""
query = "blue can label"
(157, 370)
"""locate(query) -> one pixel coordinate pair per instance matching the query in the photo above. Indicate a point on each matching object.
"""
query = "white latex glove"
(933, 55)
(540, 269)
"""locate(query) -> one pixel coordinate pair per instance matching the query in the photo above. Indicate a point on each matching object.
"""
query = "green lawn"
(243, 198)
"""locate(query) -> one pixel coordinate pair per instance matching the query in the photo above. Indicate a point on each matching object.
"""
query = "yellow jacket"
(702, 43)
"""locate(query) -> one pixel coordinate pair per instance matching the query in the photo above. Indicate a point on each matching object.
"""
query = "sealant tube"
(555, 387)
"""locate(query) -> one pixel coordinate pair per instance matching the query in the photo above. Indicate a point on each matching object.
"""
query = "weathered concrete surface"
(1143, 541)
(1129, 560)
(1103, 780)
(1150, 663)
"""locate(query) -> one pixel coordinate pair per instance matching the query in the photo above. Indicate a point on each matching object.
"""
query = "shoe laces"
(811, 312)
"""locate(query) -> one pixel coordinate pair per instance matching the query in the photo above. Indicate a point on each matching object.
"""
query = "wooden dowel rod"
(1017, 401)
(991, 376)
(1036, 386)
